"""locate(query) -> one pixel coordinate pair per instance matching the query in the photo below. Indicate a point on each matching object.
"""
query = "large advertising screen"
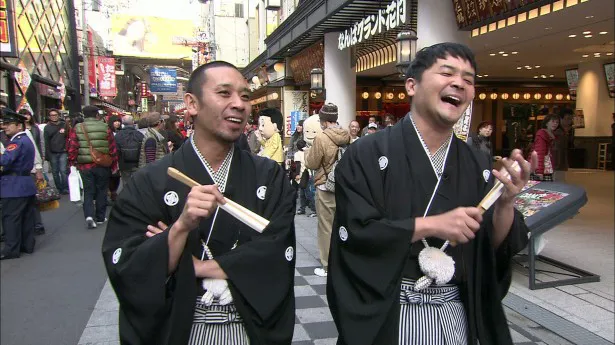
(151, 37)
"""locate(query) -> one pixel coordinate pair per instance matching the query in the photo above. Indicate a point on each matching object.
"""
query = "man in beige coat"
(321, 157)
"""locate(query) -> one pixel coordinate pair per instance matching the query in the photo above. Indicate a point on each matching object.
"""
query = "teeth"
(234, 119)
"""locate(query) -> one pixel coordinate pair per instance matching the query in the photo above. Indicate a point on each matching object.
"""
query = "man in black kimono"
(416, 181)
(159, 280)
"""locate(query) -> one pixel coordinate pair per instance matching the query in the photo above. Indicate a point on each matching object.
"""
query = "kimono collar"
(438, 159)
(219, 177)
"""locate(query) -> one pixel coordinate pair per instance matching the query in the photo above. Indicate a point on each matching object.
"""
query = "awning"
(8, 67)
(107, 105)
(45, 81)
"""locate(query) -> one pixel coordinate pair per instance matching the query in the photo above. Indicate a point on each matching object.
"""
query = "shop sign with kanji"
(106, 76)
(393, 15)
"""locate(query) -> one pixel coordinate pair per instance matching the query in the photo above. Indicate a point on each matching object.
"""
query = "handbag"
(303, 181)
(46, 193)
(102, 159)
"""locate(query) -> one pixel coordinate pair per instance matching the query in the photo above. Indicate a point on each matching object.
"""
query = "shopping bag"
(75, 184)
(47, 197)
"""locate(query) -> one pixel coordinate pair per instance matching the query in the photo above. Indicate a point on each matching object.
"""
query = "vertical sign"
(295, 109)
(462, 127)
(91, 63)
(8, 39)
(106, 76)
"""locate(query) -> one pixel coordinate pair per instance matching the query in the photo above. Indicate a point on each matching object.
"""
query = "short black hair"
(300, 144)
(53, 110)
(197, 77)
(90, 111)
(427, 57)
(565, 111)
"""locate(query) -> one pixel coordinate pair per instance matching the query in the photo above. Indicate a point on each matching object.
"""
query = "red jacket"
(544, 145)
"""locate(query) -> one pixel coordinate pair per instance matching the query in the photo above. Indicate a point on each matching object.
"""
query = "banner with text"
(106, 77)
(8, 40)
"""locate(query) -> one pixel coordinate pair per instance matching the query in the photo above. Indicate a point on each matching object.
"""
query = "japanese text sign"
(106, 76)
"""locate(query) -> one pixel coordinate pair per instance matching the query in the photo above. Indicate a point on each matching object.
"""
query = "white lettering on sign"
(394, 15)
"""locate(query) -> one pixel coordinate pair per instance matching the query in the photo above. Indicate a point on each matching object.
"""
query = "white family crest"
(171, 198)
(486, 175)
(383, 162)
(261, 192)
(289, 253)
(116, 256)
(343, 233)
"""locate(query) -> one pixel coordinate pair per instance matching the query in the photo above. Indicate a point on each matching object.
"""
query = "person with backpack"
(323, 157)
(128, 141)
(155, 145)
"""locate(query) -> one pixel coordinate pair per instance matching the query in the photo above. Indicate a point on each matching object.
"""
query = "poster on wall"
(8, 39)
(609, 74)
(163, 80)
(296, 108)
(572, 78)
(579, 119)
(462, 127)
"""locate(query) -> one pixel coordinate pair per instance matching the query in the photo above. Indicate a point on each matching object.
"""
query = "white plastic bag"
(75, 184)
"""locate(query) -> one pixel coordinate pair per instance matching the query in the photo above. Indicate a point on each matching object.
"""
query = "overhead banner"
(162, 80)
(8, 39)
(106, 76)
(152, 37)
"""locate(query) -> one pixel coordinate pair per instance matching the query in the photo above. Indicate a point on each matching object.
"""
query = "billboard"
(162, 80)
(151, 37)
(8, 43)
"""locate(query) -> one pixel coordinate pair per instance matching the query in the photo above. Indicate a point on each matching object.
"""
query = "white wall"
(593, 98)
(232, 34)
(437, 24)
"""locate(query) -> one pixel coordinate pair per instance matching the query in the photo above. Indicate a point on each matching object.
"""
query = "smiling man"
(207, 278)
(401, 194)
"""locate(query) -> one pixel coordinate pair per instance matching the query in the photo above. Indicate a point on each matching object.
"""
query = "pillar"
(436, 23)
(593, 98)
(340, 79)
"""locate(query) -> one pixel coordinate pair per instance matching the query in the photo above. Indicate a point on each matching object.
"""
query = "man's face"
(372, 120)
(354, 128)
(224, 106)
(11, 128)
(54, 116)
(371, 130)
(444, 92)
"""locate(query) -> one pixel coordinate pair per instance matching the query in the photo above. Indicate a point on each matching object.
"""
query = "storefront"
(42, 56)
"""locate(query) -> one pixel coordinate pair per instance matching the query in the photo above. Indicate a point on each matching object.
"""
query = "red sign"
(144, 90)
(8, 42)
(91, 63)
(106, 76)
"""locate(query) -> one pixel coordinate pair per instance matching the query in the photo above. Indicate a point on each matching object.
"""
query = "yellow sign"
(152, 37)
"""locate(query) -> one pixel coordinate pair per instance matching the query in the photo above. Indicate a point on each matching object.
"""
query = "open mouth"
(454, 100)
(234, 119)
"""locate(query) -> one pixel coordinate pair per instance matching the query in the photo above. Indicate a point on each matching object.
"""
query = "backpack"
(330, 182)
(130, 146)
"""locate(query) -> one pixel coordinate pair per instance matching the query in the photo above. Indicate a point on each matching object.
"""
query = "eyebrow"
(464, 73)
(228, 85)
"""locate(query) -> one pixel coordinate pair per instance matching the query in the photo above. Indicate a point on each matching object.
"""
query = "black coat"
(377, 206)
(158, 309)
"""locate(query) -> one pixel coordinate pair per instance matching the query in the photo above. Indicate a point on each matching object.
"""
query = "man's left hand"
(518, 178)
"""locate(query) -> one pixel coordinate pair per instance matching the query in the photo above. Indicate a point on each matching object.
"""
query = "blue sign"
(295, 117)
(163, 80)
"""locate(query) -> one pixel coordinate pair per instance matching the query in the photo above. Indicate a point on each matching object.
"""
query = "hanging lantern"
(377, 95)
(406, 49)
(390, 95)
(493, 96)
(482, 96)
(401, 95)
(515, 95)
(365, 95)
(504, 95)
(567, 97)
(316, 78)
(548, 96)
(527, 95)
(559, 97)
(537, 96)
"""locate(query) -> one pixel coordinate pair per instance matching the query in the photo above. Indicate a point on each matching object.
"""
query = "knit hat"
(328, 112)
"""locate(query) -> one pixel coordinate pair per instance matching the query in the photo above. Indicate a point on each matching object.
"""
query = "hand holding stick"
(241, 213)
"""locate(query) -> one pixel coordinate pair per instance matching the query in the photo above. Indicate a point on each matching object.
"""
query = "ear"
(192, 104)
(411, 84)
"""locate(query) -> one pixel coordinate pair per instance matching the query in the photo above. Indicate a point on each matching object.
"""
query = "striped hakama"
(217, 325)
(434, 316)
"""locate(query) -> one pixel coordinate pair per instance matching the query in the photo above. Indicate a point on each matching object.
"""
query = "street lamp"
(406, 50)
(316, 76)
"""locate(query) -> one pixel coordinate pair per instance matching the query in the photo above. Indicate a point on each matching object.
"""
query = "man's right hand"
(456, 226)
(201, 203)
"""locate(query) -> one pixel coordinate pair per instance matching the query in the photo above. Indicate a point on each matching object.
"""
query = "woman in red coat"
(544, 145)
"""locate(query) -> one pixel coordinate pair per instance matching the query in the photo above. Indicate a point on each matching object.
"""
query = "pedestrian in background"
(55, 146)
(94, 131)
(34, 133)
(128, 142)
(115, 126)
(544, 145)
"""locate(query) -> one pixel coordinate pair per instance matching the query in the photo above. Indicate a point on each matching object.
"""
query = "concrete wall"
(436, 24)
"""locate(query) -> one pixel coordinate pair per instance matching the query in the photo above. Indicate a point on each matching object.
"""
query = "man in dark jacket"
(128, 141)
(55, 150)
(95, 177)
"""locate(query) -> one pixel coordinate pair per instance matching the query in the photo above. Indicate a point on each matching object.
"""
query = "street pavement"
(60, 294)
